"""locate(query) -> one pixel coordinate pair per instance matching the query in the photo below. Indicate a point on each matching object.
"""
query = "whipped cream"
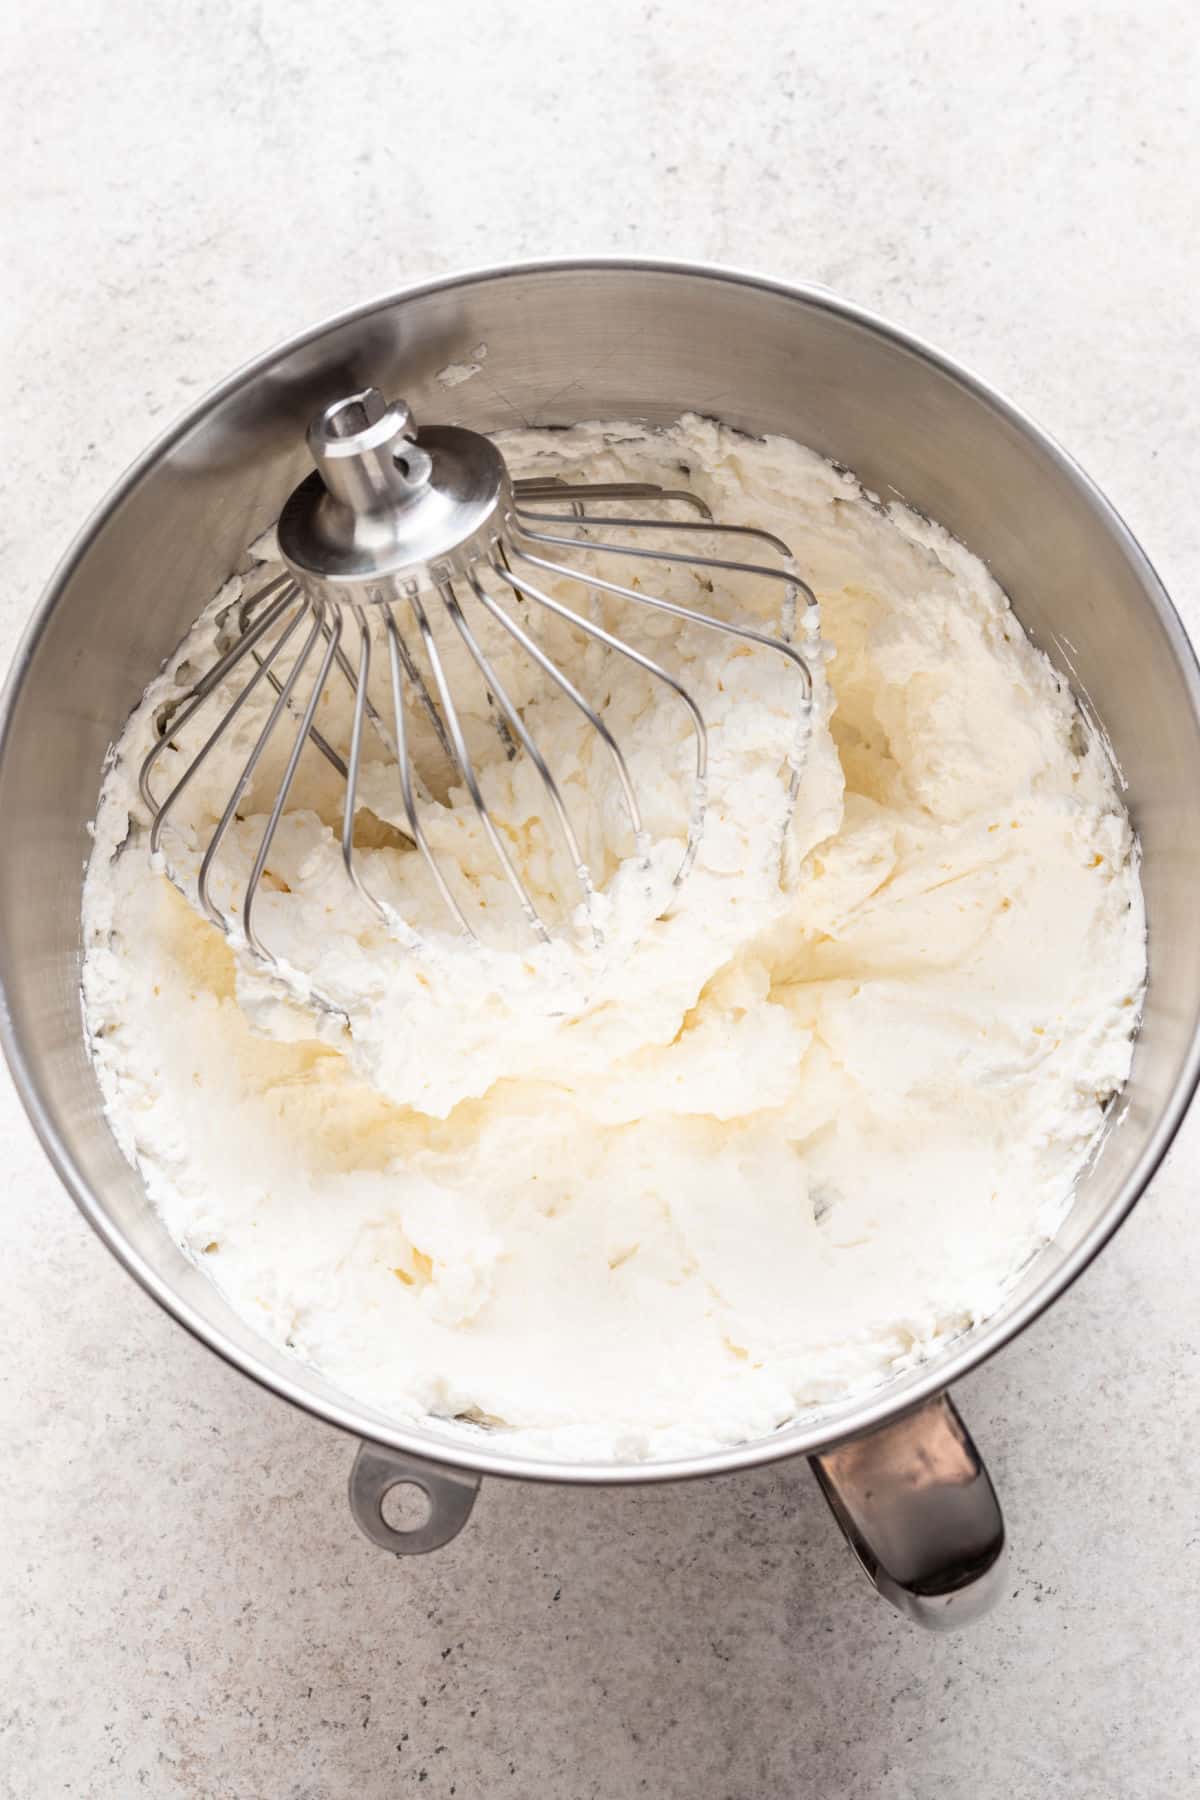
(679, 1174)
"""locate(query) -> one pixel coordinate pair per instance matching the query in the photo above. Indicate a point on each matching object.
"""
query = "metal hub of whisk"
(393, 524)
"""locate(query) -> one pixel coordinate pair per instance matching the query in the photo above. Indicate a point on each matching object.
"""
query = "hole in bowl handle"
(377, 1471)
(918, 1509)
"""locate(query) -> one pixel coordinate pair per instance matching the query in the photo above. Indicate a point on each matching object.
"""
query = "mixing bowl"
(555, 343)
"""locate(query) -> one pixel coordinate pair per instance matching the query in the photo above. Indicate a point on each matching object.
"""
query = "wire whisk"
(398, 534)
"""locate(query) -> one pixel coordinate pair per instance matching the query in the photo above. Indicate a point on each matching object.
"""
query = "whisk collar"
(390, 508)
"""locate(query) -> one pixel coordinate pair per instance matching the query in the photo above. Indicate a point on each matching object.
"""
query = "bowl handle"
(919, 1511)
(450, 1495)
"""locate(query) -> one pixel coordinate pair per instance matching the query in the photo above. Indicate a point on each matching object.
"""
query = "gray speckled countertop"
(188, 1610)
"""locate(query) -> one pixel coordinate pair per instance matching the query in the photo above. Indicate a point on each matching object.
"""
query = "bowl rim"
(879, 1406)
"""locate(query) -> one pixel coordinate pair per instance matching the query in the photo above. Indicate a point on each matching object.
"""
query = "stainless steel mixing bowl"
(617, 340)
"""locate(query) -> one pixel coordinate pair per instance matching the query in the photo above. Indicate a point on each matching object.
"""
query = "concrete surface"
(188, 1610)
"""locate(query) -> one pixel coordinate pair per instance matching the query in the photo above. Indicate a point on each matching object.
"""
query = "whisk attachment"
(399, 534)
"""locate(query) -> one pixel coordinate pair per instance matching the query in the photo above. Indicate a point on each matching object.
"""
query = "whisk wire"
(660, 604)
(289, 775)
(672, 525)
(214, 737)
(597, 631)
(564, 684)
(524, 737)
(349, 807)
(399, 662)
(704, 562)
(466, 767)
(196, 695)
(246, 777)
(607, 490)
